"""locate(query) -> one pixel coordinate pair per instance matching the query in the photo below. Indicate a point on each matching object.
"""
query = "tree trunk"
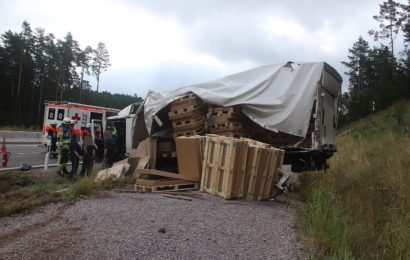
(58, 83)
(16, 110)
(81, 84)
(40, 101)
(98, 81)
(12, 86)
(62, 86)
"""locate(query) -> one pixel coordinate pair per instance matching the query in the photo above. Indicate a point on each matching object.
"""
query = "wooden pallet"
(228, 127)
(223, 168)
(234, 134)
(276, 161)
(226, 118)
(186, 97)
(187, 112)
(263, 168)
(164, 185)
(182, 103)
(258, 173)
(256, 143)
(188, 133)
(221, 111)
(189, 123)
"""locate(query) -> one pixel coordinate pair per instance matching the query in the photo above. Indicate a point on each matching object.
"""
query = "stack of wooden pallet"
(188, 116)
(239, 168)
(228, 121)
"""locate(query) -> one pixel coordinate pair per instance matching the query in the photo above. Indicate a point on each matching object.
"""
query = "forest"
(379, 75)
(36, 67)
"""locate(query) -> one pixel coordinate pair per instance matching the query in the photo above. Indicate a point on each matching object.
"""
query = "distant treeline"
(378, 77)
(35, 66)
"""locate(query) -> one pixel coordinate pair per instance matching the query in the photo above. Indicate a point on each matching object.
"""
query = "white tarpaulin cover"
(277, 97)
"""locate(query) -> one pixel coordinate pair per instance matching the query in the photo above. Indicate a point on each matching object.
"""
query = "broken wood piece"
(125, 191)
(62, 190)
(176, 197)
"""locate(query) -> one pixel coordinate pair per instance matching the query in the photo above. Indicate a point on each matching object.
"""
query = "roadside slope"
(360, 208)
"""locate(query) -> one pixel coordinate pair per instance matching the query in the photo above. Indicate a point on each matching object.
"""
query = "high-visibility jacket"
(64, 136)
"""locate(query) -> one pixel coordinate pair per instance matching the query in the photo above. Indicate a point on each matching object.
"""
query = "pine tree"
(359, 72)
(101, 61)
(391, 18)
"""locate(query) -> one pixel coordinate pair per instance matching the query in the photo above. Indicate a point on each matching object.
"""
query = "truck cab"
(123, 124)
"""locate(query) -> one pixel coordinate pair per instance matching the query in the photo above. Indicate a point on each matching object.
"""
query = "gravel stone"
(149, 226)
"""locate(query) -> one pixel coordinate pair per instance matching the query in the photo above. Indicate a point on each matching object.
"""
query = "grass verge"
(360, 208)
(19, 191)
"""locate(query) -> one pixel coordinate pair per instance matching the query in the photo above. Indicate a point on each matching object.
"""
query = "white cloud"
(160, 44)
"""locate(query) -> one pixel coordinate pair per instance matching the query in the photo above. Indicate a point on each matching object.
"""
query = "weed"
(19, 191)
(360, 207)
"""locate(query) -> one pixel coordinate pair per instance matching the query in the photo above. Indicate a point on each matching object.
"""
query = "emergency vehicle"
(56, 111)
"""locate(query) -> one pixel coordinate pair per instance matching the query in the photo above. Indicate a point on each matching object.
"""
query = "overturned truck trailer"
(292, 106)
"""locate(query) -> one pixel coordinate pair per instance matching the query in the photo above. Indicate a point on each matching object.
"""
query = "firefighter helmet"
(67, 120)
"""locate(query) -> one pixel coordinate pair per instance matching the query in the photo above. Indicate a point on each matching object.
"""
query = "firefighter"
(87, 130)
(52, 134)
(63, 143)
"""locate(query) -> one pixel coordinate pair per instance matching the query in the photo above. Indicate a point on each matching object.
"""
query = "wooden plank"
(165, 174)
(161, 182)
(176, 197)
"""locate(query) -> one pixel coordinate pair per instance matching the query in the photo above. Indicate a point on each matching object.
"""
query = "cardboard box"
(190, 155)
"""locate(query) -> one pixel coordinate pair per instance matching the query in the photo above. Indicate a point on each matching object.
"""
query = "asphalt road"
(31, 154)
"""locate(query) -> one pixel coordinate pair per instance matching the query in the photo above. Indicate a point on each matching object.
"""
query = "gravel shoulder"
(149, 226)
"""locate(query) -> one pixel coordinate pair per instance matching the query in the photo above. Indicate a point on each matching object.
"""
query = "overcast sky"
(160, 45)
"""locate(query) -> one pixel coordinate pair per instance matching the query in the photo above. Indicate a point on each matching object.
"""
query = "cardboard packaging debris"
(114, 173)
(190, 155)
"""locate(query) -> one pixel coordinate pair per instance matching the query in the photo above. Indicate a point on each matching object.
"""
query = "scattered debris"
(115, 172)
(176, 197)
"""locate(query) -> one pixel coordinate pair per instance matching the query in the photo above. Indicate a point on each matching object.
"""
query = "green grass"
(360, 208)
(19, 191)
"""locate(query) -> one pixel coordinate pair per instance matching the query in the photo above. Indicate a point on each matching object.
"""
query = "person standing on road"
(89, 149)
(110, 152)
(75, 155)
(52, 134)
(87, 130)
(63, 143)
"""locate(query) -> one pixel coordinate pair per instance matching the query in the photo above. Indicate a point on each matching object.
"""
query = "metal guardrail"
(21, 137)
